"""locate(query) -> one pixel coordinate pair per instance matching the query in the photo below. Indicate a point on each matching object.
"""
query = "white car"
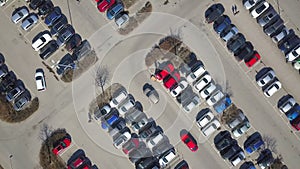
(41, 41)
(266, 78)
(272, 88)
(2, 2)
(294, 54)
(205, 119)
(204, 81)
(215, 97)
(250, 3)
(241, 129)
(211, 127)
(196, 72)
(208, 90)
(127, 105)
(191, 103)
(260, 9)
(40, 80)
(115, 101)
(166, 158)
(121, 19)
(122, 139)
(179, 88)
(138, 125)
(287, 105)
(237, 158)
(154, 140)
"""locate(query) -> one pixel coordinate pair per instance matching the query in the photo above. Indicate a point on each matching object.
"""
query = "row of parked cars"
(136, 134)
(114, 10)
(288, 105)
(13, 88)
(273, 26)
(267, 80)
(236, 42)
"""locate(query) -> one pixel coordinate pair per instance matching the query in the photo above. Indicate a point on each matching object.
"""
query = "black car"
(82, 50)
(275, 26)
(45, 8)
(288, 44)
(34, 4)
(8, 82)
(230, 151)
(182, 165)
(223, 140)
(148, 162)
(267, 17)
(48, 49)
(65, 34)
(244, 52)
(73, 42)
(253, 143)
(214, 12)
(58, 25)
(265, 158)
(65, 63)
(235, 43)
(247, 165)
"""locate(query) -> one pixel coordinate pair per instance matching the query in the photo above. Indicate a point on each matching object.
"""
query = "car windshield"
(187, 140)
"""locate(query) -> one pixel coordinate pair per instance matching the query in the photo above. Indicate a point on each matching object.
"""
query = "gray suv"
(274, 27)
(267, 17)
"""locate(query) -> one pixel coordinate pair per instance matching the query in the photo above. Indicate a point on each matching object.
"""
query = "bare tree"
(176, 39)
(270, 143)
(45, 134)
(102, 77)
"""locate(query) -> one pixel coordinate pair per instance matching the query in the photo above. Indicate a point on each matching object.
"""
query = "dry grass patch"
(47, 159)
(129, 3)
(8, 114)
(229, 114)
(84, 64)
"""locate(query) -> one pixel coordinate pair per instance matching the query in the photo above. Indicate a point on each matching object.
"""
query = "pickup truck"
(222, 104)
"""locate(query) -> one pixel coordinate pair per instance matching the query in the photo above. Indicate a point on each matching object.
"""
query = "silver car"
(29, 22)
(19, 14)
(14, 93)
(282, 34)
(21, 102)
(250, 3)
(121, 19)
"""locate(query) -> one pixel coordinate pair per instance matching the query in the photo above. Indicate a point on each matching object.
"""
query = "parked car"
(19, 14)
(122, 138)
(237, 158)
(223, 140)
(114, 10)
(241, 128)
(161, 74)
(248, 4)
(244, 52)
(147, 162)
(132, 144)
(73, 42)
(230, 151)
(41, 40)
(109, 120)
(247, 165)
(58, 25)
(210, 128)
(161, 148)
(189, 141)
(214, 12)
(117, 127)
(180, 87)
(2, 2)
(182, 165)
(206, 118)
(82, 50)
(40, 80)
(48, 49)
(252, 59)
(236, 42)
(118, 98)
(78, 162)
(236, 120)
(103, 5)
(45, 8)
(202, 82)
(65, 34)
(266, 78)
(167, 157)
(134, 116)
(253, 143)
(265, 159)
(229, 32)
(221, 23)
(172, 80)
(156, 138)
(126, 106)
(260, 9)
(267, 17)
(20, 102)
(148, 131)
(65, 63)
(208, 90)
(275, 26)
(121, 19)
(296, 123)
(53, 16)
(100, 112)
(189, 104)
(34, 4)
(293, 113)
(215, 97)
(289, 44)
(293, 54)
(137, 154)
(14, 93)
(62, 145)
(29, 21)
(282, 34)
(3, 72)
(138, 125)
(151, 93)
(286, 103)
(196, 71)
(272, 88)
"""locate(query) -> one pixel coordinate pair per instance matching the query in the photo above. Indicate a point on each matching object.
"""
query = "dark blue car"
(253, 143)
(114, 11)
(221, 23)
(247, 165)
(53, 16)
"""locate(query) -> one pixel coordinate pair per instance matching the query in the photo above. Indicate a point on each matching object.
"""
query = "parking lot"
(66, 105)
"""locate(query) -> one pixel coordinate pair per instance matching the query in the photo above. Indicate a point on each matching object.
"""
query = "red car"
(61, 146)
(171, 81)
(132, 144)
(296, 123)
(189, 141)
(77, 162)
(103, 5)
(252, 59)
(162, 74)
